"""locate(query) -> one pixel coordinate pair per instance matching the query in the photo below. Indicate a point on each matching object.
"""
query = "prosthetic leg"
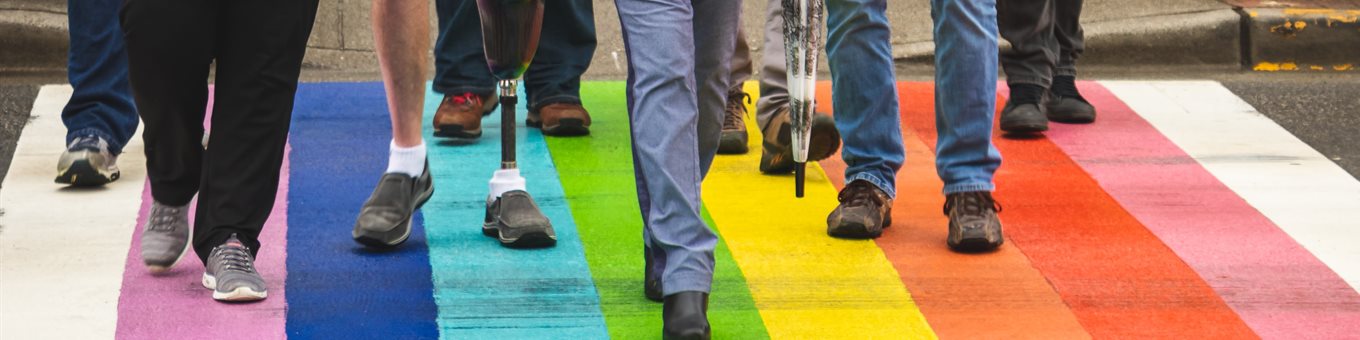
(510, 31)
(802, 43)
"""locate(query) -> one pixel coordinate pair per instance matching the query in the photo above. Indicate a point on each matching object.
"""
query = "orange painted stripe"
(981, 296)
(1116, 276)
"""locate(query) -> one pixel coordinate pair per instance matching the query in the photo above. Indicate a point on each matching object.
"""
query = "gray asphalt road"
(15, 103)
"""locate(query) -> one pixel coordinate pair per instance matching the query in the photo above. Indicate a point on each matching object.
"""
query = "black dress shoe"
(685, 316)
(385, 219)
(651, 286)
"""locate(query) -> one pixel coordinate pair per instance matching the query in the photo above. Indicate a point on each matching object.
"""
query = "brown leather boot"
(460, 116)
(561, 119)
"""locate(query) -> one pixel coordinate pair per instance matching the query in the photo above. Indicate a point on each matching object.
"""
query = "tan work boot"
(460, 116)
(776, 156)
(561, 119)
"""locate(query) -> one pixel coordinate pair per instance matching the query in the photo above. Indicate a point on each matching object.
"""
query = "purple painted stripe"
(175, 305)
(1277, 287)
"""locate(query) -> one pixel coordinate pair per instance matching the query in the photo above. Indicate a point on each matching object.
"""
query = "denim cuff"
(686, 283)
(534, 106)
(969, 186)
(115, 147)
(879, 182)
(453, 90)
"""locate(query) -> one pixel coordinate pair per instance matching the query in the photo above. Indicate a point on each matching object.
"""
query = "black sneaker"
(734, 137)
(517, 222)
(1022, 113)
(973, 225)
(1066, 105)
(863, 213)
(776, 156)
(385, 219)
(87, 162)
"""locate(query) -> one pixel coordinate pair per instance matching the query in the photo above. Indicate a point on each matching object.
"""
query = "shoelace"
(235, 258)
(972, 203)
(734, 101)
(857, 193)
(163, 218)
(466, 99)
(89, 142)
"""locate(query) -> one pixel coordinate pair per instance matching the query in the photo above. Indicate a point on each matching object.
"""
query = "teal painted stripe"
(487, 291)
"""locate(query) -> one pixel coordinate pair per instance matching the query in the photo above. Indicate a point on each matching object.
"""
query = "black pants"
(1045, 36)
(258, 47)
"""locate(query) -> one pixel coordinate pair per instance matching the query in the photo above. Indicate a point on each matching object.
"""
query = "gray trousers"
(774, 84)
(678, 76)
(1045, 36)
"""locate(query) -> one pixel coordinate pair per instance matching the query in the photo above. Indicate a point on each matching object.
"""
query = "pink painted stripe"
(176, 306)
(1278, 288)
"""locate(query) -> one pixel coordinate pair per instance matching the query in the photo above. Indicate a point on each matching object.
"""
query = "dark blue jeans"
(564, 52)
(97, 68)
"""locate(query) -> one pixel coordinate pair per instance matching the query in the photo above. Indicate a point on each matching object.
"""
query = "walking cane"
(802, 43)
(510, 31)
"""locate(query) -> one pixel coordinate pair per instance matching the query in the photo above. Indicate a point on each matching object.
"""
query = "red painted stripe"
(958, 292)
(1115, 275)
(1276, 286)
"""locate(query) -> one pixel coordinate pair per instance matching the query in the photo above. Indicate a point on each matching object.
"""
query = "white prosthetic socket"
(504, 180)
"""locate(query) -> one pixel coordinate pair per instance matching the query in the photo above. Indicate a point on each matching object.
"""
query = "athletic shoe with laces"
(231, 273)
(1022, 113)
(863, 213)
(1066, 105)
(517, 222)
(460, 116)
(734, 136)
(87, 162)
(973, 224)
(776, 155)
(385, 219)
(165, 236)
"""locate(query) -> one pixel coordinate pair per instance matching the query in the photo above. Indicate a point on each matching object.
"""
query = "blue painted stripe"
(484, 290)
(336, 288)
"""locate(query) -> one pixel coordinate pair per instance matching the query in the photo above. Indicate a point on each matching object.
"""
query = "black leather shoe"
(1072, 110)
(385, 219)
(517, 222)
(685, 316)
(651, 286)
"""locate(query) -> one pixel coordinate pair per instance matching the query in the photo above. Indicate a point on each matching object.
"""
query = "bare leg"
(402, 34)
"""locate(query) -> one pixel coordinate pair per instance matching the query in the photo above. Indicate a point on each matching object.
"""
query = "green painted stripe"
(597, 175)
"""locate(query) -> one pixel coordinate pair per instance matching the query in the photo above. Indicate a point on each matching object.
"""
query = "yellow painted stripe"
(805, 283)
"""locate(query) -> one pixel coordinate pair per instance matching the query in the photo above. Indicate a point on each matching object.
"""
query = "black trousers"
(258, 47)
(1046, 39)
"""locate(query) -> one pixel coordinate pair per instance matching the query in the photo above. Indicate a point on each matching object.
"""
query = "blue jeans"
(965, 93)
(97, 68)
(564, 52)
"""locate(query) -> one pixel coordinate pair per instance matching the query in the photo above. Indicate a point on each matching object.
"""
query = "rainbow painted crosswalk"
(1181, 213)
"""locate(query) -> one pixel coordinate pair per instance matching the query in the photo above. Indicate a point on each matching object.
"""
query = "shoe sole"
(242, 294)
(385, 240)
(858, 230)
(1073, 118)
(82, 174)
(975, 245)
(566, 127)
(1024, 127)
(537, 239)
(456, 131)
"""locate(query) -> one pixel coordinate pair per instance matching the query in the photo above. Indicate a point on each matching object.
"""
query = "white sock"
(410, 161)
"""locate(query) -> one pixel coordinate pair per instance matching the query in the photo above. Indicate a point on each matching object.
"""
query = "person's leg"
(865, 98)
(714, 23)
(460, 62)
(965, 99)
(260, 48)
(1028, 26)
(170, 47)
(402, 42)
(1066, 103)
(774, 81)
(742, 67)
(664, 109)
(553, 81)
(101, 104)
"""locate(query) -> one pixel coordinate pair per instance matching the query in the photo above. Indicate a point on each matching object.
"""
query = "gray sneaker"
(165, 236)
(517, 222)
(231, 273)
(87, 162)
